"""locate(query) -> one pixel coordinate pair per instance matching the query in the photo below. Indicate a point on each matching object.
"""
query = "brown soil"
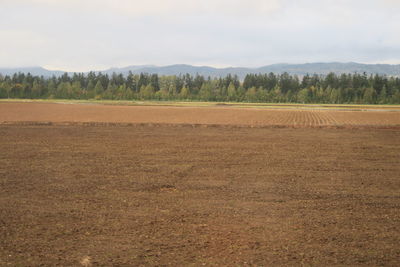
(73, 113)
(74, 195)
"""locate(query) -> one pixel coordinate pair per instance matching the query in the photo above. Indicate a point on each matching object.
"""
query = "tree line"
(279, 88)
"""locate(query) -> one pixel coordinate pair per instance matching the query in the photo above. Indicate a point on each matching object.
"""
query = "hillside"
(294, 69)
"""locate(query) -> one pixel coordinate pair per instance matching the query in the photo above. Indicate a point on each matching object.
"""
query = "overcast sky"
(81, 35)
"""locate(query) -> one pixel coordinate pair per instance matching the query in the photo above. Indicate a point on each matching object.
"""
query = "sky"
(83, 35)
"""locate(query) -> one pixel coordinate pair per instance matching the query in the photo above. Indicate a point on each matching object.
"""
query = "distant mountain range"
(294, 69)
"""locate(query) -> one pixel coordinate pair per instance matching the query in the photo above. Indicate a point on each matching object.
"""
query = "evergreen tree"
(205, 93)
(369, 95)
(98, 89)
(251, 94)
(231, 91)
(303, 96)
(147, 92)
(184, 94)
(347, 88)
(382, 96)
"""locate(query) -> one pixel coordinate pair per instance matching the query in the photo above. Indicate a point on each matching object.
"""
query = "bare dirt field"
(88, 113)
(157, 194)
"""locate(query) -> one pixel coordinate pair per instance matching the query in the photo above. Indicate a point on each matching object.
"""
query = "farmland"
(191, 115)
(217, 185)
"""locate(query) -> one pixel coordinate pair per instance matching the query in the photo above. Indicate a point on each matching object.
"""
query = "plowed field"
(85, 113)
(131, 189)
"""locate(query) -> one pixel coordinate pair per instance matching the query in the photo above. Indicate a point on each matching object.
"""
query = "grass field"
(162, 185)
(355, 107)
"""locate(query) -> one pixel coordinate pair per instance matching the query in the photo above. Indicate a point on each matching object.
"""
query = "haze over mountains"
(294, 69)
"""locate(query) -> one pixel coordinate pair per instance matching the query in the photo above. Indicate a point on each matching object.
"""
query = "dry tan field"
(230, 116)
(129, 186)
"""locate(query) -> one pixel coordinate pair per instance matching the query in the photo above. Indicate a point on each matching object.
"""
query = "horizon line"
(49, 68)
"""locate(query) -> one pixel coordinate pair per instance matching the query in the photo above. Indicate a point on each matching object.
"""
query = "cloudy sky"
(81, 35)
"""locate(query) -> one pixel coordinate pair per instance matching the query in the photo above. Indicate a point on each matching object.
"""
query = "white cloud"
(392, 3)
(87, 34)
(162, 7)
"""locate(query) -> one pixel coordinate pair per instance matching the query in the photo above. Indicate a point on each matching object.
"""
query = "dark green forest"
(267, 88)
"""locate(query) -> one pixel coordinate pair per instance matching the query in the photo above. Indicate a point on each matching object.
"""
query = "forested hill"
(293, 69)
